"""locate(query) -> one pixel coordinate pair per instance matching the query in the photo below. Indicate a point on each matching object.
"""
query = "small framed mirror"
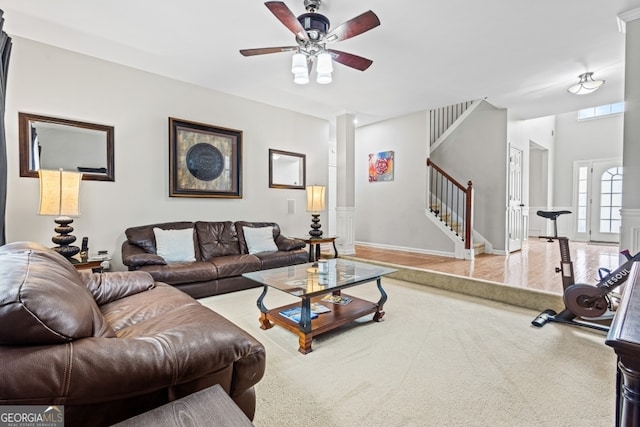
(54, 143)
(287, 170)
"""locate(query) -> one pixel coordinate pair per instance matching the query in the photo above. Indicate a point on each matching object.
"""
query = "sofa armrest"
(94, 370)
(133, 256)
(289, 244)
(108, 287)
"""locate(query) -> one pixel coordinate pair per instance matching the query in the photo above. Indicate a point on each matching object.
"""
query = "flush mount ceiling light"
(312, 31)
(586, 85)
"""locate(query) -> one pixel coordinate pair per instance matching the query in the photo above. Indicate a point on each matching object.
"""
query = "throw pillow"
(175, 245)
(259, 239)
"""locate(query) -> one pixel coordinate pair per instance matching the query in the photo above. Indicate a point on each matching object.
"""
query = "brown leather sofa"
(221, 256)
(109, 346)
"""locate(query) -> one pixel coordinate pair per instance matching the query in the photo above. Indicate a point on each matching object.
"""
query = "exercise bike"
(585, 305)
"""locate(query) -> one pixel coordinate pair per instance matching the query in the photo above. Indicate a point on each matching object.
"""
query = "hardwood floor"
(533, 267)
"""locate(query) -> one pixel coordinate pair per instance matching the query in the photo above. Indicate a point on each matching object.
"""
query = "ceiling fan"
(312, 31)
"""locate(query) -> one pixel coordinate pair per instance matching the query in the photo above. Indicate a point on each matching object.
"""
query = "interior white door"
(606, 201)
(515, 221)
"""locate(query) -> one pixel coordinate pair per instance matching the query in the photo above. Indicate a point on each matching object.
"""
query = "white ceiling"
(518, 54)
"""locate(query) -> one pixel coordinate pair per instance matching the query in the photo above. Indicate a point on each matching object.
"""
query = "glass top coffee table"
(323, 306)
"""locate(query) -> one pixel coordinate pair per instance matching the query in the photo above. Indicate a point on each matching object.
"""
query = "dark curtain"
(5, 52)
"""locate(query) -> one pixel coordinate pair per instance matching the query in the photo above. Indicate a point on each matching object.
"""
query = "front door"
(514, 214)
(598, 187)
(606, 201)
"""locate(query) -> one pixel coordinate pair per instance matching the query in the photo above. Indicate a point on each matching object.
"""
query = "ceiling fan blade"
(265, 50)
(284, 14)
(350, 60)
(353, 27)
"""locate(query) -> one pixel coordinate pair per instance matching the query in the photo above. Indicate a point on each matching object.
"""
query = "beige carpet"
(437, 359)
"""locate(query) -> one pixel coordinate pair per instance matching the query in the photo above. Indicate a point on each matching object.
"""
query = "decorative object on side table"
(84, 249)
(315, 204)
(96, 263)
(59, 192)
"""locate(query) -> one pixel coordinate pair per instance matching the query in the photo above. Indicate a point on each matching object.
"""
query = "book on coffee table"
(337, 299)
(319, 308)
(293, 313)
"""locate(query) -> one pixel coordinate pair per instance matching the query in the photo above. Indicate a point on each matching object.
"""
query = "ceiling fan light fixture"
(324, 64)
(299, 63)
(586, 84)
(312, 32)
(301, 78)
(324, 78)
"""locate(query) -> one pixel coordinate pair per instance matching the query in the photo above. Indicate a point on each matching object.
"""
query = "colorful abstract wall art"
(381, 166)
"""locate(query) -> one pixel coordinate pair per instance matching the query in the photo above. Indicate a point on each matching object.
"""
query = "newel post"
(468, 216)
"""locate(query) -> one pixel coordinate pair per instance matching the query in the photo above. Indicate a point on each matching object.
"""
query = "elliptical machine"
(584, 304)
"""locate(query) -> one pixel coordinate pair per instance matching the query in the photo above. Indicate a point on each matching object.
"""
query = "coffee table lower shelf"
(340, 314)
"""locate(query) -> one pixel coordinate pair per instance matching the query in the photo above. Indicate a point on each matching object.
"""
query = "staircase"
(456, 132)
(451, 203)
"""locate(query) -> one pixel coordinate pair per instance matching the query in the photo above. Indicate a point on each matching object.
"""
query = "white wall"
(538, 142)
(585, 140)
(54, 82)
(630, 230)
(392, 213)
(533, 135)
(631, 195)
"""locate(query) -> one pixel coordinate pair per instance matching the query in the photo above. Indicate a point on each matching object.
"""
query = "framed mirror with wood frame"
(287, 169)
(56, 143)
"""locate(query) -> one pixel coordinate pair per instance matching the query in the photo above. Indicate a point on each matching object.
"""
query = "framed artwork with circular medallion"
(204, 160)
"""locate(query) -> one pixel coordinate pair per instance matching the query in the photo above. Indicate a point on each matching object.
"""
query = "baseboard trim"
(406, 249)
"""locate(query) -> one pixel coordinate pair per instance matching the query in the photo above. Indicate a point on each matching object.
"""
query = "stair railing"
(440, 119)
(451, 202)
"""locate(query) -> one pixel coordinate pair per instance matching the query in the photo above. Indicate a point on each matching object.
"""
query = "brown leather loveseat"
(220, 252)
(108, 346)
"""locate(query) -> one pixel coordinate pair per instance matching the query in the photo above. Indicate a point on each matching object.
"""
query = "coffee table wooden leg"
(377, 317)
(304, 334)
(304, 342)
(264, 322)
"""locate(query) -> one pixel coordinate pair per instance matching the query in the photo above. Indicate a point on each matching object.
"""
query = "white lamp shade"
(315, 198)
(299, 64)
(324, 78)
(324, 64)
(59, 192)
(301, 78)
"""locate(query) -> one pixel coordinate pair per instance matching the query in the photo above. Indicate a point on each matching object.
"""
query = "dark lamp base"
(64, 238)
(315, 226)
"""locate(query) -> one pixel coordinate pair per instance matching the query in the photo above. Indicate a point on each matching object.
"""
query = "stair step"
(478, 248)
(456, 227)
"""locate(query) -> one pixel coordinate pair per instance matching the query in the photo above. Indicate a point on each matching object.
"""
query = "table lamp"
(59, 192)
(315, 204)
